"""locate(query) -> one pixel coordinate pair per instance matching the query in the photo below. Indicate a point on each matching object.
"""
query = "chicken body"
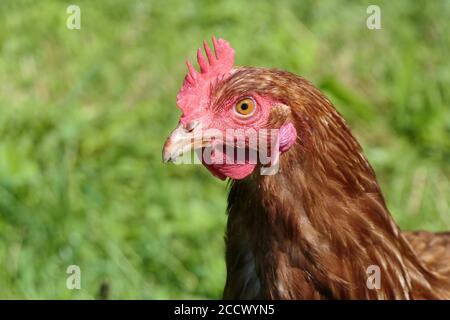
(318, 228)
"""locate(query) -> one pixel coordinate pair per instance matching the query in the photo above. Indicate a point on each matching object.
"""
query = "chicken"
(311, 222)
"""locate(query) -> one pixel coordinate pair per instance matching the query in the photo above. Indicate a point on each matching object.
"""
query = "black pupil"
(244, 106)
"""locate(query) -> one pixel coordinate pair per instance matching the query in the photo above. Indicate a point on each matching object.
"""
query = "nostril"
(192, 125)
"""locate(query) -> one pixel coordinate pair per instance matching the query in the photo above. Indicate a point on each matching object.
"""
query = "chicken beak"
(182, 140)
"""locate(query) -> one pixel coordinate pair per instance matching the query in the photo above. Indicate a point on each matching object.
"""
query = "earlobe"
(287, 136)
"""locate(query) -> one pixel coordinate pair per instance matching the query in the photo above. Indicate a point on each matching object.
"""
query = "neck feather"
(319, 227)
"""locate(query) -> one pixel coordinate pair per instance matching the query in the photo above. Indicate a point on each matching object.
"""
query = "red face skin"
(225, 118)
(204, 115)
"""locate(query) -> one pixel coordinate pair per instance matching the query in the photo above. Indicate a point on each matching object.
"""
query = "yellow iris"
(245, 107)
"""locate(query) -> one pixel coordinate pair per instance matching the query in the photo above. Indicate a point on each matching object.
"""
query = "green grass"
(84, 114)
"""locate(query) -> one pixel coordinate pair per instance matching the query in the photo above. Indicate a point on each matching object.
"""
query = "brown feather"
(312, 230)
(433, 249)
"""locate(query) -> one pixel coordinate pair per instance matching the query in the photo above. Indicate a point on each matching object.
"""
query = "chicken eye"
(245, 107)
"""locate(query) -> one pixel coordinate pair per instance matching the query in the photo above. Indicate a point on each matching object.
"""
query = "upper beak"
(182, 140)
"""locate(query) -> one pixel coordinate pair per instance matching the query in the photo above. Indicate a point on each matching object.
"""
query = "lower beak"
(181, 141)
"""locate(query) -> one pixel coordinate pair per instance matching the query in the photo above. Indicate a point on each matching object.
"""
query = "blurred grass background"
(84, 114)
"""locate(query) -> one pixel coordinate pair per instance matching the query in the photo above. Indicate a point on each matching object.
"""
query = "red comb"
(196, 84)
